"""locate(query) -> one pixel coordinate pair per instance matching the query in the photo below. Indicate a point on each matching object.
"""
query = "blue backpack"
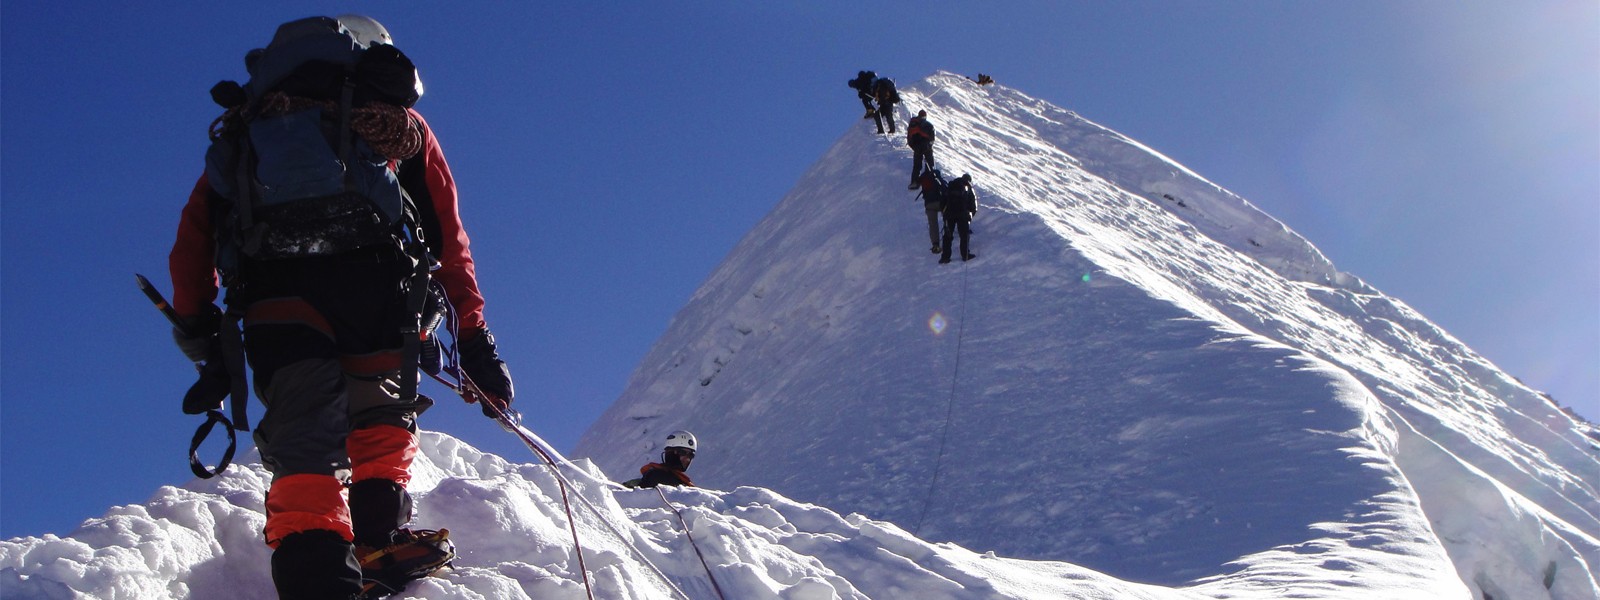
(300, 177)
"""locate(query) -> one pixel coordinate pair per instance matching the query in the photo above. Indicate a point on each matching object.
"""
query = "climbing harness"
(692, 543)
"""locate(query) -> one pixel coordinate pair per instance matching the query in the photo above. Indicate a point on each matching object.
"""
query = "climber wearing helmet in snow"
(327, 273)
(676, 454)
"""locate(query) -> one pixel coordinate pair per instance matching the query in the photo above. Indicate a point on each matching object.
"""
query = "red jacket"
(655, 474)
(426, 177)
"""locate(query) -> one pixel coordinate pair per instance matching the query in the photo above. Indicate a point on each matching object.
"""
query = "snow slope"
(1142, 388)
(510, 530)
(1141, 373)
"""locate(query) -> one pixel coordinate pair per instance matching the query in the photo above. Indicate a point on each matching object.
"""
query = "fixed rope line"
(504, 415)
(510, 421)
(692, 543)
(950, 405)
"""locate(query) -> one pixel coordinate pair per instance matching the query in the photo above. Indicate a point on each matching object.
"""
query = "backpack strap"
(411, 329)
(232, 340)
(244, 176)
(416, 299)
(346, 142)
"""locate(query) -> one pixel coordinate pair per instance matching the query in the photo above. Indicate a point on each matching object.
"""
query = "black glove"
(482, 363)
(197, 336)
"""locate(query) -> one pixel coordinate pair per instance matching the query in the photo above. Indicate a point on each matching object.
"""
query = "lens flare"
(937, 324)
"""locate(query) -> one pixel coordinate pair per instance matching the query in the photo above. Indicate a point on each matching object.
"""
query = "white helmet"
(365, 29)
(681, 439)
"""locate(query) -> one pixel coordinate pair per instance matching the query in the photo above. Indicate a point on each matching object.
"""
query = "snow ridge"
(203, 541)
(1143, 387)
(1137, 359)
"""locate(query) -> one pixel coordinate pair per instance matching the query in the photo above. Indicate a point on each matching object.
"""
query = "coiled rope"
(387, 128)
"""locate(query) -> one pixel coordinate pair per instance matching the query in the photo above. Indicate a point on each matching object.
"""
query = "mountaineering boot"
(943, 260)
(913, 185)
(869, 114)
(411, 555)
(315, 565)
(378, 507)
(968, 257)
(935, 248)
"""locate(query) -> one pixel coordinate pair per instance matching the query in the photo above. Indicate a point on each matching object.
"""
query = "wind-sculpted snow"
(1141, 373)
(1143, 387)
(202, 541)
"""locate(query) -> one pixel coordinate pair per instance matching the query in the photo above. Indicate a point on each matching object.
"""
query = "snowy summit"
(1143, 387)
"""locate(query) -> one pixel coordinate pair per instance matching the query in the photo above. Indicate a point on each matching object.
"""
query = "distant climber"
(960, 205)
(862, 84)
(676, 455)
(919, 136)
(932, 194)
(983, 79)
(883, 91)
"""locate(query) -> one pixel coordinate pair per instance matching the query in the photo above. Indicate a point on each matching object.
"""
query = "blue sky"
(609, 157)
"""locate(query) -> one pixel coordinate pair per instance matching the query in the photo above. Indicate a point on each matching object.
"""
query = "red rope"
(472, 393)
(692, 544)
(387, 128)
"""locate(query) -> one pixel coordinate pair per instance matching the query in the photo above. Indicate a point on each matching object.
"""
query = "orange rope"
(389, 129)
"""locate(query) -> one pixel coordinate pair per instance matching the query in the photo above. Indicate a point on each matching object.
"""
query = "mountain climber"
(862, 84)
(330, 308)
(960, 205)
(883, 91)
(932, 194)
(676, 454)
(919, 136)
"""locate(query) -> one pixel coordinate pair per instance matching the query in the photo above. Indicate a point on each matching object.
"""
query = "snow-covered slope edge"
(203, 541)
(1138, 360)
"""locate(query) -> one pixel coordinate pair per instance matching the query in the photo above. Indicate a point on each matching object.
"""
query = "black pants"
(921, 158)
(323, 338)
(951, 227)
(885, 113)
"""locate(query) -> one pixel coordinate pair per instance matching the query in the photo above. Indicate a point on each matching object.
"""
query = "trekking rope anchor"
(692, 543)
(949, 411)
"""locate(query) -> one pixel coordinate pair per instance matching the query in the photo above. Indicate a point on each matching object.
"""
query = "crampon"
(413, 555)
